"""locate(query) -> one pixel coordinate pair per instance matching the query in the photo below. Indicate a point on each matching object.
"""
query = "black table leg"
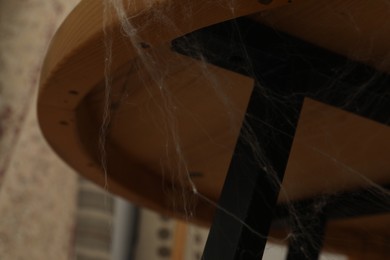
(308, 228)
(242, 221)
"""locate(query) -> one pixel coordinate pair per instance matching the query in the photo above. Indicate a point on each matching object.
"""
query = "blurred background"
(46, 210)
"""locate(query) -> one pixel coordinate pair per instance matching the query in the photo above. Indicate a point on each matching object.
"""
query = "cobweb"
(358, 94)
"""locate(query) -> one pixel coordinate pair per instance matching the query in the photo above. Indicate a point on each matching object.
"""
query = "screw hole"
(265, 2)
(73, 92)
(196, 174)
(144, 45)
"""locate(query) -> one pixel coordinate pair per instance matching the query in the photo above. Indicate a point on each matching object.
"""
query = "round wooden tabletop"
(145, 164)
(71, 99)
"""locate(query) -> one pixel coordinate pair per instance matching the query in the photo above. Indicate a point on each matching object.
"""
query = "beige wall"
(37, 190)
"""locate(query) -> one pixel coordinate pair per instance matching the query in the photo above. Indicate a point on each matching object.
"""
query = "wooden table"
(333, 150)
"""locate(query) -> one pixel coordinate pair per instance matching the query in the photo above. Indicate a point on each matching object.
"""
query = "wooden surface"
(333, 150)
(358, 29)
(74, 66)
